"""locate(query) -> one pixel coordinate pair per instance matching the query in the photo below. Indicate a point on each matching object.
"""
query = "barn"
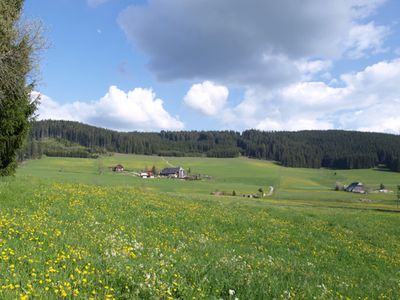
(173, 172)
(356, 187)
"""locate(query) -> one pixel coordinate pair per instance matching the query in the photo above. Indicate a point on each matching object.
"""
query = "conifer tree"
(17, 46)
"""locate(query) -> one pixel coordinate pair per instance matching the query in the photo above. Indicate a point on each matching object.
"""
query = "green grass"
(71, 229)
(242, 175)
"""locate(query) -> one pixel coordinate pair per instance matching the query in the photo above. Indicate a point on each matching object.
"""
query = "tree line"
(309, 149)
(56, 147)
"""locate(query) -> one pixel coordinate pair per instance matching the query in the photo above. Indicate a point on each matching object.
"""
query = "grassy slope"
(245, 176)
(65, 240)
(68, 230)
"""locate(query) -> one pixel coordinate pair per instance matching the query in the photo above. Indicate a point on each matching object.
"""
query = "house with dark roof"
(355, 187)
(173, 172)
(118, 168)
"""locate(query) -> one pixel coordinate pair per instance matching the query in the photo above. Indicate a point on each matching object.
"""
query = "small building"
(118, 168)
(145, 175)
(173, 172)
(355, 187)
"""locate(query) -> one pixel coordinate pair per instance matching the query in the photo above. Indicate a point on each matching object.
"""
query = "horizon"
(137, 65)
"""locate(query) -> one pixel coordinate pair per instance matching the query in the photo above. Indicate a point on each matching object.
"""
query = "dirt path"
(167, 162)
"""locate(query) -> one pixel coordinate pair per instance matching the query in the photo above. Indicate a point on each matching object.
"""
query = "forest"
(336, 149)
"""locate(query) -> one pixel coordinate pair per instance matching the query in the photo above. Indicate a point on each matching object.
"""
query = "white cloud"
(377, 92)
(365, 37)
(207, 97)
(138, 109)
(297, 107)
(50, 109)
(293, 125)
(382, 78)
(380, 117)
(312, 67)
(312, 94)
(368, 100)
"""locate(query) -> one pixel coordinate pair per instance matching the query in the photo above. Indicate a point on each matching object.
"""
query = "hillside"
(310, 149)
(72, 228)
(294, 186)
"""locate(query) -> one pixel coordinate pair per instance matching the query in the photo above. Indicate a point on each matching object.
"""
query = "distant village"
(171, 172)
(181, 173)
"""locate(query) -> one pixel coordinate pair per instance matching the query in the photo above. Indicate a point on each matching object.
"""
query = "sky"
(151, 65)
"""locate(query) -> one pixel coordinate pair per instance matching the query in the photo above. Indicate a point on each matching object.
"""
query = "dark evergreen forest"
(310, 149)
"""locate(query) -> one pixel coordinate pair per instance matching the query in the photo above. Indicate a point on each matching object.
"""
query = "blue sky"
(229, 64)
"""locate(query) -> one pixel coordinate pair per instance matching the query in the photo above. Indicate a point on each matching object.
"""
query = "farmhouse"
(173, 172)
(355, 187)
(118, 168)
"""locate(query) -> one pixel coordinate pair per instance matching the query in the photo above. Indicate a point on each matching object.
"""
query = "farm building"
(173, 172)
(118, 168)
(148, 174)
(355, 187)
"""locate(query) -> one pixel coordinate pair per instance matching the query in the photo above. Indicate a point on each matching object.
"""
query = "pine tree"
(17, 46)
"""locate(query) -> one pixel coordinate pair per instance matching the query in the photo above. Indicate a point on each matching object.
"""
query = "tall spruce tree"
(17, 46)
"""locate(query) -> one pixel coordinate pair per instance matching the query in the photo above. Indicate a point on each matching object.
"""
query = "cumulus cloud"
(310, 68)
(296, 107)
(207, 97)
(364, 37)
(254, 42)
(293, 125)
(380, 79)
(138, 109)
(368, 100)
(50, 109)
(379, 117)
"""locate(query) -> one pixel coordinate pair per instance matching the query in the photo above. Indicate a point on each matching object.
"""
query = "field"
(242, 175)
(70, 228)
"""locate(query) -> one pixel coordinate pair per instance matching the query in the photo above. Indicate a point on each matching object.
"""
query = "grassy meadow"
(242, 175)
(70, 228)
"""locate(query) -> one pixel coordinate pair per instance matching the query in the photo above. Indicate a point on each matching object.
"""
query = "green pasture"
(242, 175)
(72, 229)
(60, 239)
